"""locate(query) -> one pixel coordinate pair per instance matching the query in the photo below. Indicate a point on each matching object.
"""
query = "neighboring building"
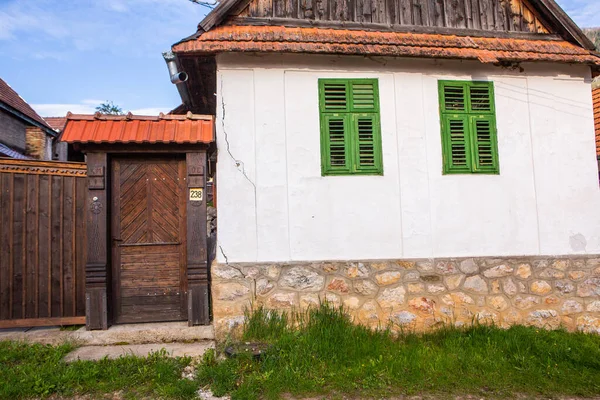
(414, 161)
(23, 133)
(63, 151)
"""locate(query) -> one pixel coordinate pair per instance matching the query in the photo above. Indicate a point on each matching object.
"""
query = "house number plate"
(196, 194)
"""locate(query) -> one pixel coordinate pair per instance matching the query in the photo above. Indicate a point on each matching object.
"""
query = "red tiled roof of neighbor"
(56, 123)
(279, 39)
(99, 128)
(596, 100)
(12, 99)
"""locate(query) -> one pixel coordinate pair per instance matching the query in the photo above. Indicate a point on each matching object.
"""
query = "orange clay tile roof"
(275, 39)
(596, 99)
(56, 123)
(100, 128)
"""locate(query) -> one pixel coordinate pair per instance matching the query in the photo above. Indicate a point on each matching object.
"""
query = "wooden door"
(148, 231)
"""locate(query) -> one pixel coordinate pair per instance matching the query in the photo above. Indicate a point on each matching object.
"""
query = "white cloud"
(28, 16)
(88, 107)
(117, 5)
(49, 55)
(93, 102)
(585, 13)
(59, 110)
(114, 26)
(151, 110)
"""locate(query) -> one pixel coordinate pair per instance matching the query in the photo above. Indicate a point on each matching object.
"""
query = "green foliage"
(108, 107)
(323, 352)
(34, 370)
(594, 35)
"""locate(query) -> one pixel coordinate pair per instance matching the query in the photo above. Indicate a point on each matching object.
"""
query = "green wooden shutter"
(484, 143)
(456, 146)
(453, 97)
(334, 141)
(480, 97)
(350, 129)
(467, 114)
(367, 146)
(334, 96)
(364, 96)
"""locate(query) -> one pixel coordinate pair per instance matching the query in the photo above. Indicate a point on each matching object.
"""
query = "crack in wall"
(224, 256)
(238, 163)
(253, 280)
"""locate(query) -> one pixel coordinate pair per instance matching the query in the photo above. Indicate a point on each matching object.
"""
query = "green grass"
(326, 354)
(71, 328)
(37, 371)
(320, 352)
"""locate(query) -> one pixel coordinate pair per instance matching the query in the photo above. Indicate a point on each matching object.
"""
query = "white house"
(416, 161)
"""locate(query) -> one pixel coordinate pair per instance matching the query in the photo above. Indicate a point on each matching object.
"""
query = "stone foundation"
(546, 292)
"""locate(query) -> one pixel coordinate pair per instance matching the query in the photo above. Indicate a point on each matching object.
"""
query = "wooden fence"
(42, 243)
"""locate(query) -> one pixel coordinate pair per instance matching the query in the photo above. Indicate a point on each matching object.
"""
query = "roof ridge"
(133, 117)
(112, 129)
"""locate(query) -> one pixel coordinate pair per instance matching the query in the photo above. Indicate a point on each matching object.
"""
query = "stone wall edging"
(543, 291)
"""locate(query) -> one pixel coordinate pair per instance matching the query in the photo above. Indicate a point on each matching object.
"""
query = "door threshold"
(142, 333)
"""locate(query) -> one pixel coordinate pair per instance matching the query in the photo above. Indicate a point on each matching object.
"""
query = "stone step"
(158, 332)
(95, 353)
(163, 332)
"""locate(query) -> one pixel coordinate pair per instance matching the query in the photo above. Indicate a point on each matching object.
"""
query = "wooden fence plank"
(27, 323)
(30, 266)
(67, 272)
(19, 260)
(80, 245)
(5, 245)
(44, 247)
(42, 235)
(56, 250)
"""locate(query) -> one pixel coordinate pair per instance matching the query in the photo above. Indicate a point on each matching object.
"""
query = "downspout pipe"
(178, 78)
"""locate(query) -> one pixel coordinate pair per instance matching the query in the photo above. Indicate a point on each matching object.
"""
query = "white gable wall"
(274, 205)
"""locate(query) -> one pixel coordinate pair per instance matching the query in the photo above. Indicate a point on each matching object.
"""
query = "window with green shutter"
(468, 119)
(350, 130)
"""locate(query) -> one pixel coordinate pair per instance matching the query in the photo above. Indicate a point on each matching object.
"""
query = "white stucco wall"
(274, 205)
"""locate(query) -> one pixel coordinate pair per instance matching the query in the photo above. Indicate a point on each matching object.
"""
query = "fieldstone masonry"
(420, 294)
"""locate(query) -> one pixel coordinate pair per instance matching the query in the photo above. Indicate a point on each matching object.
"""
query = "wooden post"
(97, 266)
(197, 265)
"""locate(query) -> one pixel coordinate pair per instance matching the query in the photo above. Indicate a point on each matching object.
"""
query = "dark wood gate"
(42, 243)
(149, 239)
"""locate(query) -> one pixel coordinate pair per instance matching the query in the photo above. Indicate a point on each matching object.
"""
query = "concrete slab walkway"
(165, 332)
(95, 353)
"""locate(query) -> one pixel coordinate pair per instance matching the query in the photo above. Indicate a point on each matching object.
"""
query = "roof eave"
(549, 8)
(47, 129)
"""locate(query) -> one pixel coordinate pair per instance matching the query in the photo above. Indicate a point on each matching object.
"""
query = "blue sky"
(70, 55)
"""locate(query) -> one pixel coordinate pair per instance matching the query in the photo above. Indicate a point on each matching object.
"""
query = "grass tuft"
(37, 371)
(321, 351)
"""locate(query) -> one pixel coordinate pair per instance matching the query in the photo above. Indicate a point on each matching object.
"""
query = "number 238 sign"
(196, 194)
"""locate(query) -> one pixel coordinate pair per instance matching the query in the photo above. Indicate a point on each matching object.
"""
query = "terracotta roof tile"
(11, 98)
(99, 128)
(596, 100)
(274, 39)
(56, 123)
